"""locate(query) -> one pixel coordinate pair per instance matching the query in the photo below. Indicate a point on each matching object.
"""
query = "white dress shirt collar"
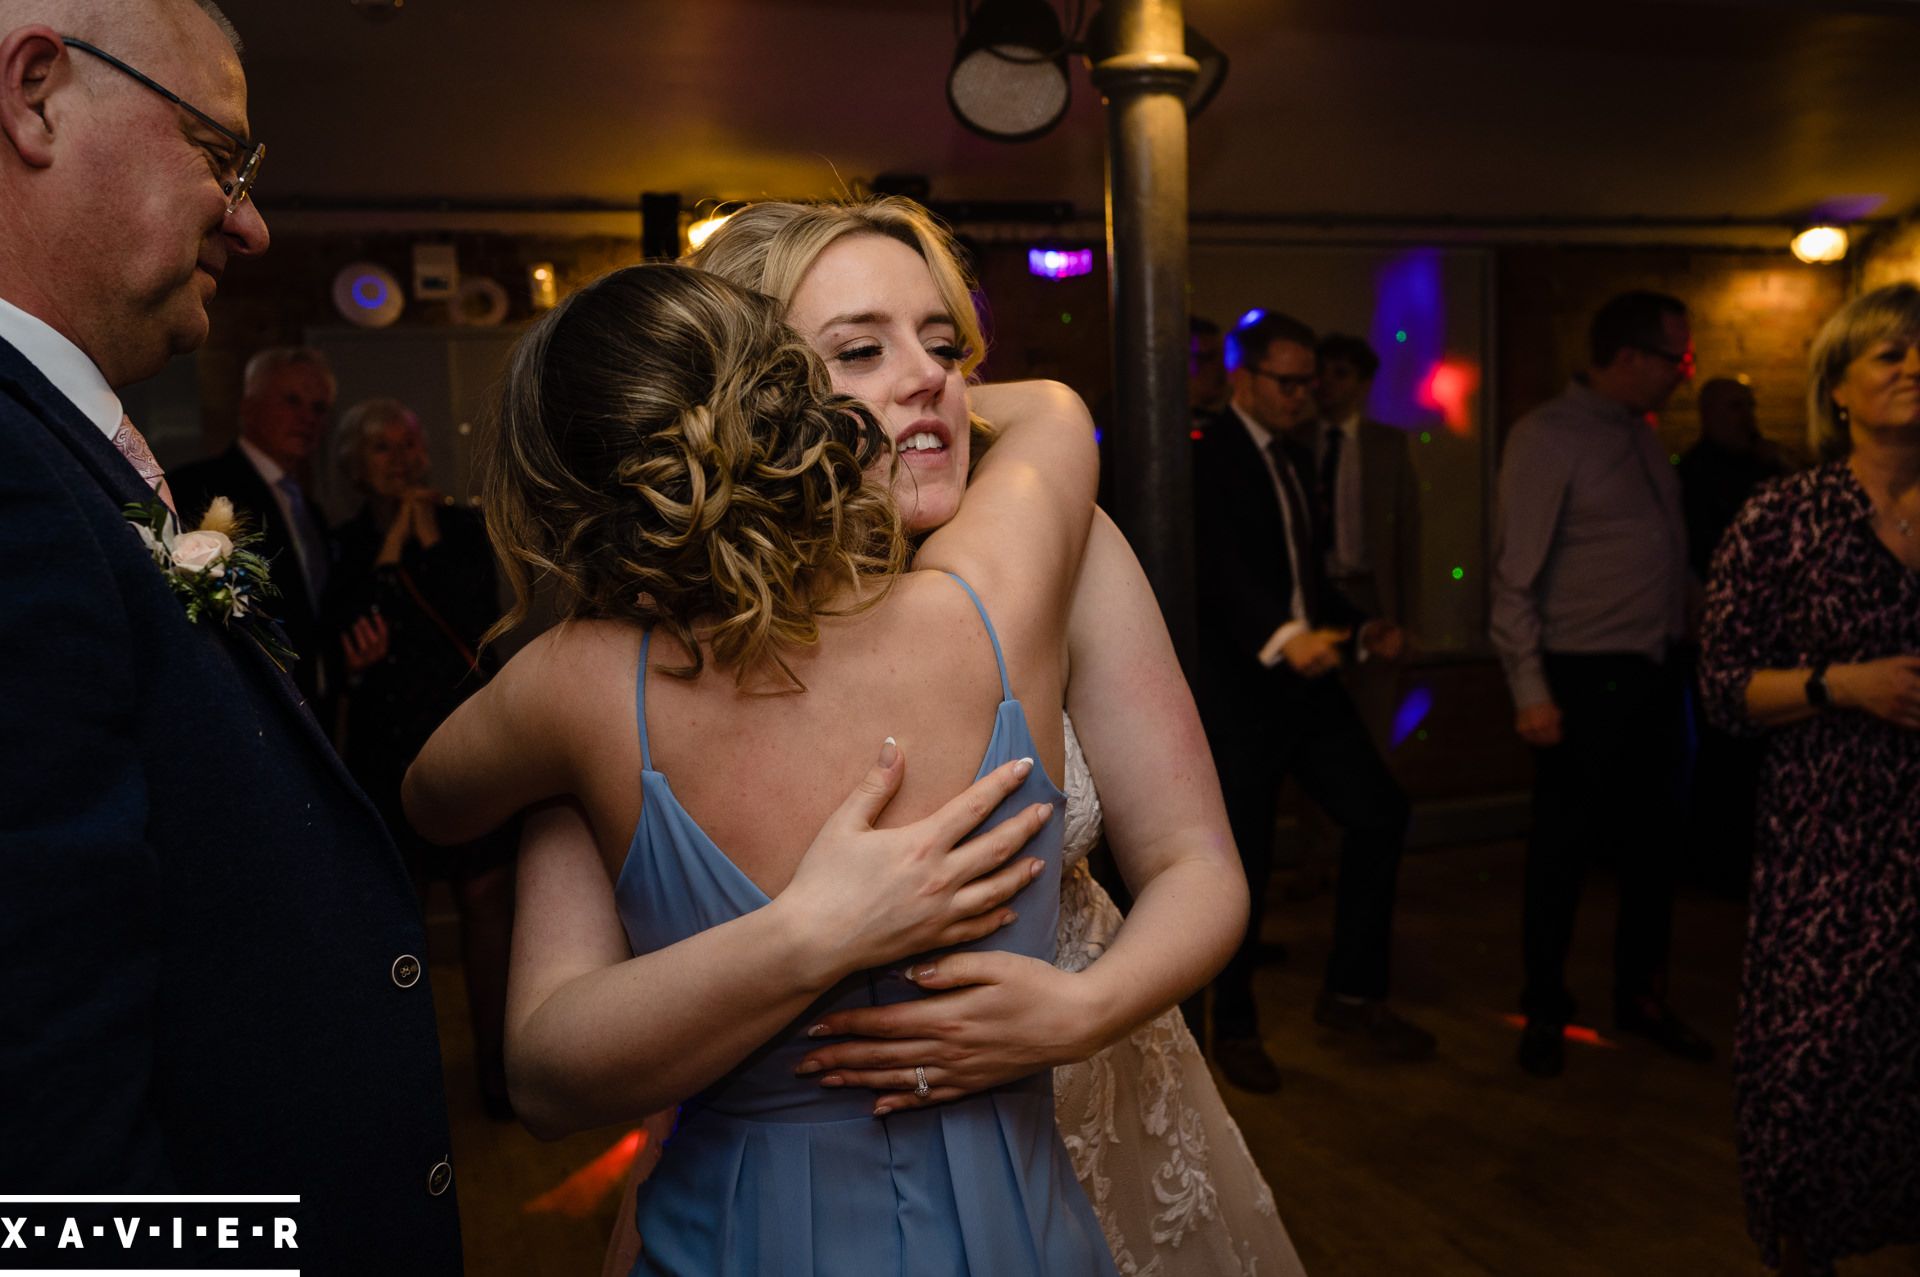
(65, 365)
(1260, 434)
(270, 470)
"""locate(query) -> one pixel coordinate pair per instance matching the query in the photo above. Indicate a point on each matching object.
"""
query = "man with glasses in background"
(1271, 633)
(1589, 599)
(211, 976)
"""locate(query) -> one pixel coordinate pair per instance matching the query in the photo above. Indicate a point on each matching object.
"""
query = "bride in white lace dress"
(1164, 1163)
(1169, 1175)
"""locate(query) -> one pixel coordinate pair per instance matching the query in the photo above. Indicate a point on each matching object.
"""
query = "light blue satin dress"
(776, 1176)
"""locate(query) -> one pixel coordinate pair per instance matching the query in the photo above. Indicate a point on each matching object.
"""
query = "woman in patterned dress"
(1167, 1170)
(1813, 638)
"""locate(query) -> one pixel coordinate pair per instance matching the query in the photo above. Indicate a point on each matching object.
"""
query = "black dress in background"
(437, 602)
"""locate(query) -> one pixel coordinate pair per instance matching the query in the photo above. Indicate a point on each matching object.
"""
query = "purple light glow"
(1059, 263)
(1413, 711)
(1231, 356)
(1847, 208)
(370, 291)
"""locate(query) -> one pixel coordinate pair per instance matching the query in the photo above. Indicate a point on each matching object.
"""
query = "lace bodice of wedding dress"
(1168, 1172)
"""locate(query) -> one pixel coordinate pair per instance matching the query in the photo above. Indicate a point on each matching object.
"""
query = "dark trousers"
(1324, 746)
(1606, 791)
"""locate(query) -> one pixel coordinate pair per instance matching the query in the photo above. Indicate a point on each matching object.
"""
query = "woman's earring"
(1840, 415)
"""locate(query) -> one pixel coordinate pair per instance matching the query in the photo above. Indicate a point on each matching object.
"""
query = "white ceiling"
(1477, 109)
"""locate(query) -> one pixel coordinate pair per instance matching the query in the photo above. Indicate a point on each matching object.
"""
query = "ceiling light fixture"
(1820, 244)
(1009, 79)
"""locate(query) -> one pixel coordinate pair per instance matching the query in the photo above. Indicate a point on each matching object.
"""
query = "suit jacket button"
(439, 1178)
(406, 970)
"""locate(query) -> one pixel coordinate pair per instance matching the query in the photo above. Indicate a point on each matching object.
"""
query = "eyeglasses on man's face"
(1682, 361)
(1289, 383)
(241, 167)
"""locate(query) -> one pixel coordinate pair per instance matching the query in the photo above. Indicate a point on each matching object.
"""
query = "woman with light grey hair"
(1812, 638)
(411, 596)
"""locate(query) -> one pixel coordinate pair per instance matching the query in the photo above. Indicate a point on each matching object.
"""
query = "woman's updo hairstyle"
(668, 452)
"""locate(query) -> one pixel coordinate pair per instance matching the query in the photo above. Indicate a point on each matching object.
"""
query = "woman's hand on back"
(873, 896)
(997, 1017)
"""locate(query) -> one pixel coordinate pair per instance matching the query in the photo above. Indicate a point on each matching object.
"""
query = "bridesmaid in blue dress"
(741, 637)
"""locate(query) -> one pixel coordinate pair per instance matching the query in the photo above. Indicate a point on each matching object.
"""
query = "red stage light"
(580, 1194)
(1573, 1033)
(1448, 389)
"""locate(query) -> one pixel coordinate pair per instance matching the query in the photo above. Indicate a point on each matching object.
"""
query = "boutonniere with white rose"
(213, 570)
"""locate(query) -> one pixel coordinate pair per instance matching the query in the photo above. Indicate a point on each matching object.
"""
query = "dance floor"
(1462, 1166)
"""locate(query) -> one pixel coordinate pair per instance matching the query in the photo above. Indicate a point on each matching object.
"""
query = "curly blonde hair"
(769, 247)
(669, 453)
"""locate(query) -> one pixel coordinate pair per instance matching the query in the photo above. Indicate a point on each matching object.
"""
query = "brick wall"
(1754, 315)
(1890, 257)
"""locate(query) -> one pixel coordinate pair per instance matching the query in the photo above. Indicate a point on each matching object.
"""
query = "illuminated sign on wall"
(1059, 263)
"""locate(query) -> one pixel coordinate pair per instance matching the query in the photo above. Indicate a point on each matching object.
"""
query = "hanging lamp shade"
(1009, 78)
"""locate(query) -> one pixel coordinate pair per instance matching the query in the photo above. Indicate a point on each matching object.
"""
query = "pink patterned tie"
(133, 446)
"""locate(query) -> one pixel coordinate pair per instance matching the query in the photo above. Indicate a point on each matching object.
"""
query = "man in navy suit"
(1271, 633)
(211, 976)
(286, 399)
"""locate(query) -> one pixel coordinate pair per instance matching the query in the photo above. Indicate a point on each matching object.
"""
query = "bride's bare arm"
(1160, 795)
(1006, 1016)
(1021, 531)
(596, 1035)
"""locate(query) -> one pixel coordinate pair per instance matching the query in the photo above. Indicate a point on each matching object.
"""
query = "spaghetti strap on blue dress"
(774, 1175)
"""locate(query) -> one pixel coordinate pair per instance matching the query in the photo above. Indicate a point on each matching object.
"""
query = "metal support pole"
(1144, 78)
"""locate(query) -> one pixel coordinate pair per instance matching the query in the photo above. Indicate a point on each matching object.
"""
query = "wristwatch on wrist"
(1818, 694)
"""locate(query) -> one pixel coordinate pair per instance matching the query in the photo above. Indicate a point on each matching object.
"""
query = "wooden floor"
(1462, 1166)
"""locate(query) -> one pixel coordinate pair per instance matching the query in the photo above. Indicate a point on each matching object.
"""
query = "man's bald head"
(1727, 415)
(114, 219)
(129, 29)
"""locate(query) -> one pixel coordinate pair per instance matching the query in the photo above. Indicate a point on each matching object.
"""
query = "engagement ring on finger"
(920, 1087)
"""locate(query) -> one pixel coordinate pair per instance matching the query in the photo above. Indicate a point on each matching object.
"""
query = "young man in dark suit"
(1363, 471)
(211, 964)
(1271, 634)
(286, 401)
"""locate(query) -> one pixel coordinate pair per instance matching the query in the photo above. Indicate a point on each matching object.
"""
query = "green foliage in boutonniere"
(213, 570)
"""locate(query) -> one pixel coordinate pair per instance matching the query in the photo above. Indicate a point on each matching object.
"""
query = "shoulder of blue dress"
(1012, 726)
